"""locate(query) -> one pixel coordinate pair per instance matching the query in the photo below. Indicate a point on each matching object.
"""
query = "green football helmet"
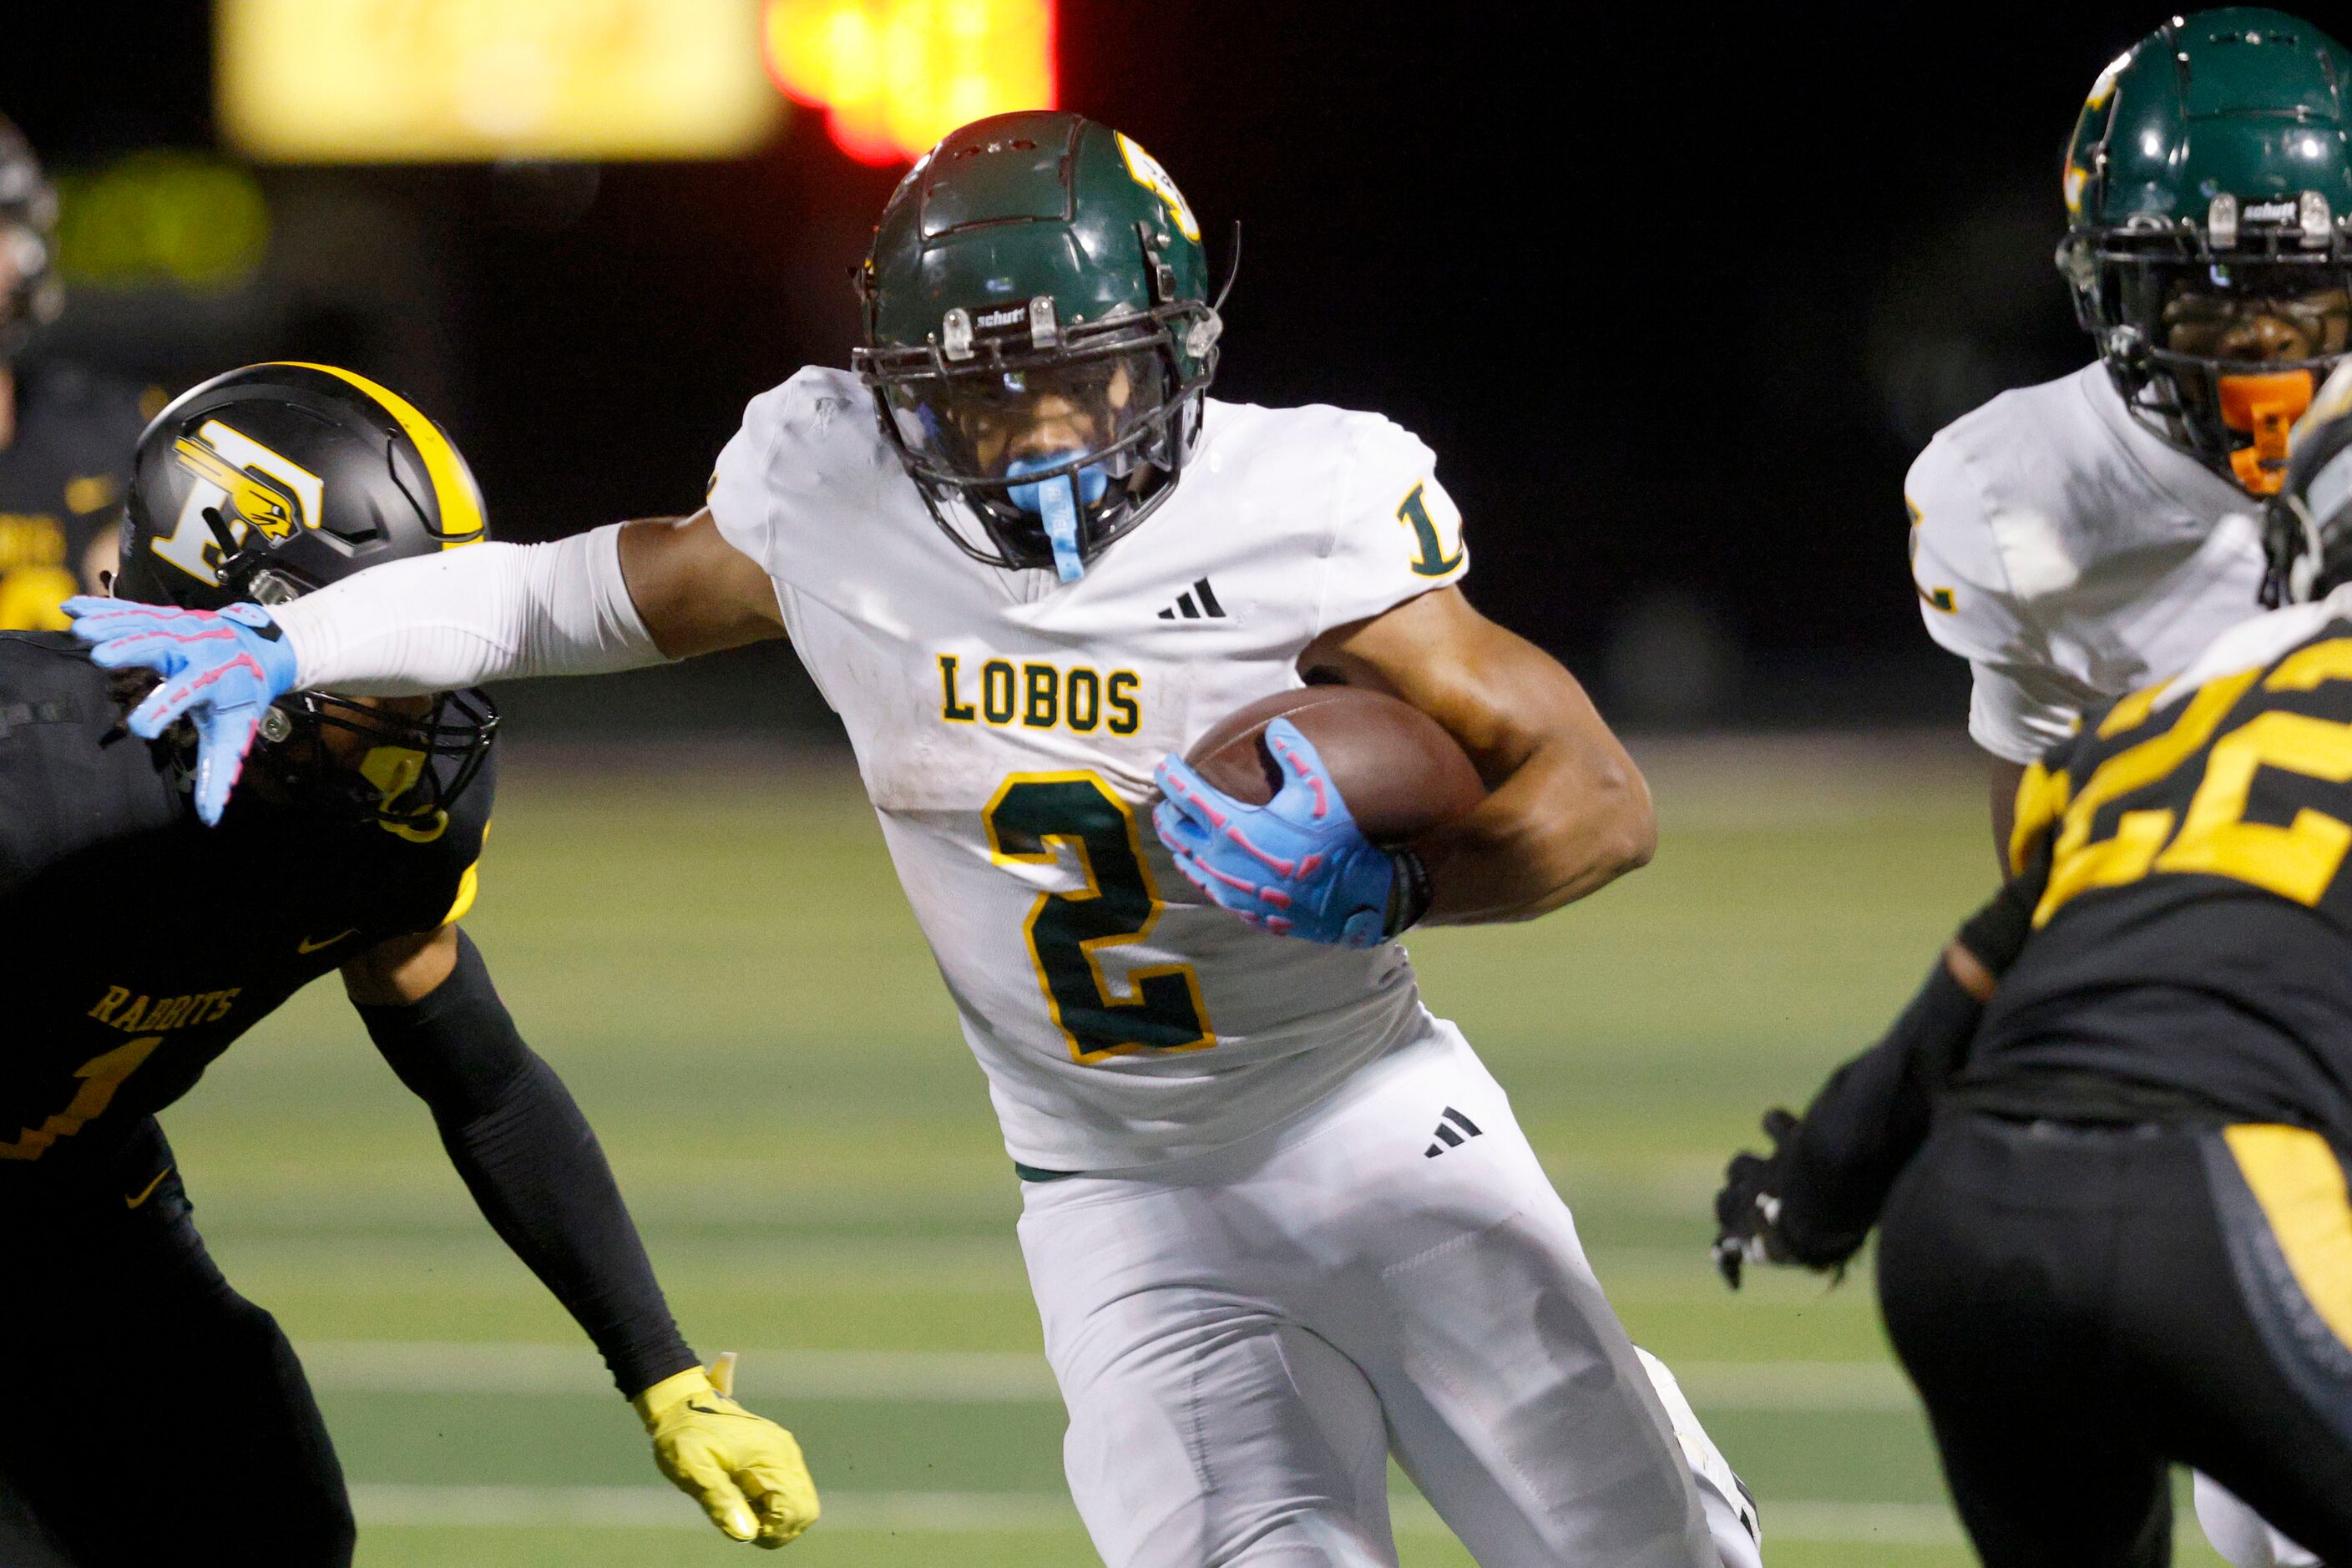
(2209, 244)
(1039, 336)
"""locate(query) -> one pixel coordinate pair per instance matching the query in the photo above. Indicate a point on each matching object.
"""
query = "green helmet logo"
(1039, 336)
(2209, 246)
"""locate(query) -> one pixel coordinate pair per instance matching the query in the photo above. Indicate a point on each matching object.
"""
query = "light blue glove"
(1298, 866)
(221, 670)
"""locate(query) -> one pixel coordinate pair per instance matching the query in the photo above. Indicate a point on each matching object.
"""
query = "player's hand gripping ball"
(745, 1471)
(221, 670)
(1297, 866)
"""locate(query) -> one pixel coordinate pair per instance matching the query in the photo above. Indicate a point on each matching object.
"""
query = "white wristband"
(482, 612)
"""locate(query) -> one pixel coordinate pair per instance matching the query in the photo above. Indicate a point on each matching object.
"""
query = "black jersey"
(61, 486)
(118, 999)
(2192, 941)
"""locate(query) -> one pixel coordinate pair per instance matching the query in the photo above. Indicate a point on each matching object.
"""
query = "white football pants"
(1243, 1337)
(2238, 1535)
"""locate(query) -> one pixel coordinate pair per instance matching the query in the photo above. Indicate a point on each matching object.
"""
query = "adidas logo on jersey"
(1195, 603)
(1447, 1138)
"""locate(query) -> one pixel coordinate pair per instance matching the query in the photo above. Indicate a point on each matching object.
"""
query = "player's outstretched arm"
(1814, 1198)
(534, 1166)
(440, 623)
(696, 592)
(1568, 811)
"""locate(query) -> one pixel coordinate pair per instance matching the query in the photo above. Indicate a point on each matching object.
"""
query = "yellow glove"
(744, 1470)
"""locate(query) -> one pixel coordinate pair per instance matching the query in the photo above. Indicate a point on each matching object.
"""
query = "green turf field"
(719, 962)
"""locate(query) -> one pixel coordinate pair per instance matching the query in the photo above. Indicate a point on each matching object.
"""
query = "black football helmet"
(29, 292)
(273, 480)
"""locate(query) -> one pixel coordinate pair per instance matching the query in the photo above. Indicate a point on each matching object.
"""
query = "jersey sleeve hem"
(1968, 603)
(753, 536)
(2012, 724)
(1419, 504)
(2008, 748)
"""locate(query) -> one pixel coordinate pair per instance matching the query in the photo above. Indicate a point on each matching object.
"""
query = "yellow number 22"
(2297, 861)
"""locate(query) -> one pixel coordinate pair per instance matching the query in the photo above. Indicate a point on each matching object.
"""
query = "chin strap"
(1055, 502)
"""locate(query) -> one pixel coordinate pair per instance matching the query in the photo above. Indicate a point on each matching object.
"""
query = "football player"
(157, 1410)
(2081, 538)
(1277, 1216)
(2078, 540)
(65, 433)
(2104, 1145)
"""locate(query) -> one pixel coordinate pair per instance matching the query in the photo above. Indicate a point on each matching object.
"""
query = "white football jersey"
(1006, 726)
(2070, 555)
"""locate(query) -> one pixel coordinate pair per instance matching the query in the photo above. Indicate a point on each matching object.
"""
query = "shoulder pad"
(792, 439)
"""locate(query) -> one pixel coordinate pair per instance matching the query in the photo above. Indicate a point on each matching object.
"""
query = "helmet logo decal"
(250, 485)
(1153, 178)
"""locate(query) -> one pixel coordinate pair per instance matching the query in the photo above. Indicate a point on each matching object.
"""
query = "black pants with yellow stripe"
(154, 1414)
(2082, 1306)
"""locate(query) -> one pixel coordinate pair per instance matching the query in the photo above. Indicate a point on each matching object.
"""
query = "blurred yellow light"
(894, 76)
(406, 80)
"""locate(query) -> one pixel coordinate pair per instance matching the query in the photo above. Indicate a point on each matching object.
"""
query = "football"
(1398, 771)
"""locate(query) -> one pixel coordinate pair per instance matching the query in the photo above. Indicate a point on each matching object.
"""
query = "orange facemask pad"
(2264, 407)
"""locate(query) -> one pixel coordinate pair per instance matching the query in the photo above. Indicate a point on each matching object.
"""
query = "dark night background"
(1675, 299)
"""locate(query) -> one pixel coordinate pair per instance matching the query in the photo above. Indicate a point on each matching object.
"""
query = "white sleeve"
(483, 612)
(2019, 711)
(2020, 707)
(746, 500)
(1956, 560)
(740, 500)
(1395, 534)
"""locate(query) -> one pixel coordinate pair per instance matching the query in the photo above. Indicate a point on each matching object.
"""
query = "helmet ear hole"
(1163, 276)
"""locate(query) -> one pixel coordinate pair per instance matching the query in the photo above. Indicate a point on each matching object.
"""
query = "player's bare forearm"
(696, 592)
(1571, 818)
(1568, 811)
(403, 970)
(2001, 777)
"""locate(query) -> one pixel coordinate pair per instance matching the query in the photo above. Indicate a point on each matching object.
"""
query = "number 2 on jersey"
(1031, 816)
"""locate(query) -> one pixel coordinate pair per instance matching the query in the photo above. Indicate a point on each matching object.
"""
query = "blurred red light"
(862, 139)
(897, 75)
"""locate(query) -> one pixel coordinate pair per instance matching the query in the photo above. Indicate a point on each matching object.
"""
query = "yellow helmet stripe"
(453, 488)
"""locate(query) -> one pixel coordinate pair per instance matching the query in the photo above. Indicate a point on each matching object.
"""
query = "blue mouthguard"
(1056, 501)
